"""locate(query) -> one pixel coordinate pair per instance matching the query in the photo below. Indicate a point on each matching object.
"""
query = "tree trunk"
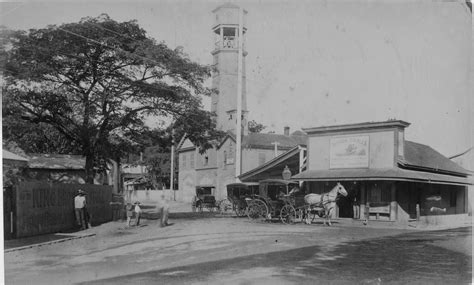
(89, 169)
(116, 176)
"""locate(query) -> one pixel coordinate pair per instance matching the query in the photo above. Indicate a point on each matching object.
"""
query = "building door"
(9, 212)
(345, 203)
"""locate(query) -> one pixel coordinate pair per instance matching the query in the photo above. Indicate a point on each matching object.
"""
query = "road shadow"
(400, 259)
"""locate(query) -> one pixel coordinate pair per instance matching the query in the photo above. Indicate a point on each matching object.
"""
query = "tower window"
(206, 160)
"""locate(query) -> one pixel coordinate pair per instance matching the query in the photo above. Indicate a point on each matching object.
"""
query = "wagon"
(204, 199)
(237, 193)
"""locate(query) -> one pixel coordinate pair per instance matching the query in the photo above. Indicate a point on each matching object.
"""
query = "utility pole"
(172, 166)
(276, 148)
(238, 151)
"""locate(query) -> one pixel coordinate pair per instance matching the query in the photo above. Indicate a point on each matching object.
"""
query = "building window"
(230, 154)
(225, 157)
(261, 158)
(206, 160)
(191, 160)
(184, 161)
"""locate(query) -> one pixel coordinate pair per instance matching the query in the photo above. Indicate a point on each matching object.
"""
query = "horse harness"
(326, 198)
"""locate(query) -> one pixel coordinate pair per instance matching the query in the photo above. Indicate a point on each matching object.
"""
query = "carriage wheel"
(199, 206)
(288, 214)
(210, 207)
(257, 210)
(240, 211)
(225, 207)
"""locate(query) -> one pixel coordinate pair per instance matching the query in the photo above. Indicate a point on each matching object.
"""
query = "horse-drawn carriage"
(283, 199)
(275, 198)
(204, 199)
(237, 193)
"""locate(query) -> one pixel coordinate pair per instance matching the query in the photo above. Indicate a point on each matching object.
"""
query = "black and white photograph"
(237, 142)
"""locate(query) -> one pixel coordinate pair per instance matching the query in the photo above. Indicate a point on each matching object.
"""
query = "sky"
(321, 63)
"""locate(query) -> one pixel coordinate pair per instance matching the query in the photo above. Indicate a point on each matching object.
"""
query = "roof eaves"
(269, 163)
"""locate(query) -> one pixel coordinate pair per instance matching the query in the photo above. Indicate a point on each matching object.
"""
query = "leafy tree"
(255, 127)
(93, 84)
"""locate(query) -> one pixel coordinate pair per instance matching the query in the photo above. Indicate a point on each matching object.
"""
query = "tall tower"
(225, 53)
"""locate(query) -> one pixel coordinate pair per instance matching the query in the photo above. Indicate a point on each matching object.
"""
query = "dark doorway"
(8, 212)
(345, 203)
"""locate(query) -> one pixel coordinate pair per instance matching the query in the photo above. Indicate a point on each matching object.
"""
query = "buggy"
(270, 200)
(204, 199)
(237, 193)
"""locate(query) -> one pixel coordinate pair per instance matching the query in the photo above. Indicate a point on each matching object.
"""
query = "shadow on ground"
(406, 258)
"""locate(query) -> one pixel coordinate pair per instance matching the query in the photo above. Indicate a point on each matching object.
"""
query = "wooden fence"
(43, 207)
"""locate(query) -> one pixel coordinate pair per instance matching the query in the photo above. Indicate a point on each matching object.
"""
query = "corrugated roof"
(423, 157)
(56, 161)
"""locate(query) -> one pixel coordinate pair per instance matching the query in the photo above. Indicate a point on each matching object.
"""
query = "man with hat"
(79, 209)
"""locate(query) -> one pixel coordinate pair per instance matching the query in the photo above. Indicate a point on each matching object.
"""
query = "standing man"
(79, 209)
(138, 212)
(355, 206)
(163, 209)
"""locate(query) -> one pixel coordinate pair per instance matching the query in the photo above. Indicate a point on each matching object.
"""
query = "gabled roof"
(422, 157)
(11, 156)
(182, 141)
(56, 161)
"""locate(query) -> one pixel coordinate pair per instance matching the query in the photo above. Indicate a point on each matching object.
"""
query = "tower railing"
(228, 42)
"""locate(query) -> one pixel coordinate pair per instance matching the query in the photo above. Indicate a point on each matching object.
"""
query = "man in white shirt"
(79, 209)
(138, 212)
(163, 209)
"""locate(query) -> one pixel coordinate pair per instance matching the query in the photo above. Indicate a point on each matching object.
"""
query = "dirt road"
(117, 251)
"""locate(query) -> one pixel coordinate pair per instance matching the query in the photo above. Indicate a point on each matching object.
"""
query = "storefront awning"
(394, 174)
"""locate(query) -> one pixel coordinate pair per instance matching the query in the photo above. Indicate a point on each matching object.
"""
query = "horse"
(326, 200)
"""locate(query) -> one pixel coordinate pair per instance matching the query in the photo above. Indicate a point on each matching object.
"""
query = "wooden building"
(392, 178)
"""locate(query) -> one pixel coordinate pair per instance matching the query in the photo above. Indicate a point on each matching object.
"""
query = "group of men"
(133, 212)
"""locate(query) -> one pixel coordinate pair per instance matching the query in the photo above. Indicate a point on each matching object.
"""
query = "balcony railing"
(229, 42)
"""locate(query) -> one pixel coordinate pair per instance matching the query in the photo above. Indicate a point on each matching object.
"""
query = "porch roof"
(273, 168)
(394, 174)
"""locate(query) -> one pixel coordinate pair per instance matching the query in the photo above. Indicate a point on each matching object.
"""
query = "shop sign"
(349, 152)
